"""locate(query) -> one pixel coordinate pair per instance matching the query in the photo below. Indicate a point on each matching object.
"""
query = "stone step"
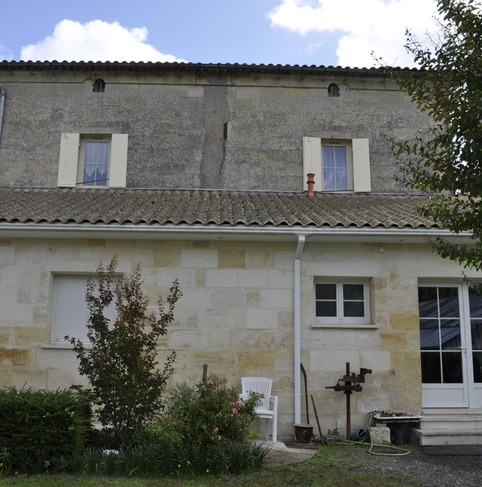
(445, 438)
(450, 427)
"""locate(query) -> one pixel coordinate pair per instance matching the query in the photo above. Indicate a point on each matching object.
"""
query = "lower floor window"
(70, 313)
(341, 302)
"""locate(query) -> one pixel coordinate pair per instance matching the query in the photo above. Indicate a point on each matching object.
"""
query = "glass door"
(443, 346)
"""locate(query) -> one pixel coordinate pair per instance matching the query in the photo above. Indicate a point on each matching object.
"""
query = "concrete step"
(450, 427)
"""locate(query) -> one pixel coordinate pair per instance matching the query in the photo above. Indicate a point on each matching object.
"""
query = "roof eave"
(216, 68)
(238, 232)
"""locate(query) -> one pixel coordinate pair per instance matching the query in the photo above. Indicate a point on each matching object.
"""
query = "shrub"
(41, 430)
(211, 412)
(207, 429)
(126, 382)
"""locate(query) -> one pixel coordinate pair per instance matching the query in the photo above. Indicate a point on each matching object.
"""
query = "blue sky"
(319, 32)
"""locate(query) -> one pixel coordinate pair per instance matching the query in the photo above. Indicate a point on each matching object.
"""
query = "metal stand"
(351, 383)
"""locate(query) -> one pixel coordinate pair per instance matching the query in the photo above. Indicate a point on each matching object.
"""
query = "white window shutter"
(312, 161)
(118, 161)
(68, 160)
(70, 313)
(361, 166)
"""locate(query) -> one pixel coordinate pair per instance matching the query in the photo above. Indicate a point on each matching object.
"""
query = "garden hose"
(361, 435)
(401, 451)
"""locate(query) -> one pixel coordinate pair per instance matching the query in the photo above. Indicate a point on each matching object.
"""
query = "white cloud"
(94, 41)
(365, 26)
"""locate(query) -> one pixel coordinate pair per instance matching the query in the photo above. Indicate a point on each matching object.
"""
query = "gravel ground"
(423, 469)
(429, 470)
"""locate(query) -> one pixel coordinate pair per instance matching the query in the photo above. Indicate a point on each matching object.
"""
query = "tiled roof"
(206, 208)
(200, 68)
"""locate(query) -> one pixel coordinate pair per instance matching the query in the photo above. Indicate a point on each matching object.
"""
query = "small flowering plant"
(206, 429)
(212, 412)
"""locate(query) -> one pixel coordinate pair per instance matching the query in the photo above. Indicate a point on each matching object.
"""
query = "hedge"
(41, 431)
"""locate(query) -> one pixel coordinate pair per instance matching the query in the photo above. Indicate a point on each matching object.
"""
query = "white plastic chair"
(268, 407)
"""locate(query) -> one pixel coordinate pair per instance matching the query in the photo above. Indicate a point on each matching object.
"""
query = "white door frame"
(454, 395)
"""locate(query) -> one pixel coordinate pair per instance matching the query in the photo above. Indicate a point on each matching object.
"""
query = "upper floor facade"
(192, 126)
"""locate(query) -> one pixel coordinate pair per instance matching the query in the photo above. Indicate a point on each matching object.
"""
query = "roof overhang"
(228, 233)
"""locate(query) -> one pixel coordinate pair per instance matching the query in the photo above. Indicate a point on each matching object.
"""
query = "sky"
(348, 33)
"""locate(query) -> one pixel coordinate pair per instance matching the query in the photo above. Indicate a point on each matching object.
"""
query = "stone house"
(199, 172)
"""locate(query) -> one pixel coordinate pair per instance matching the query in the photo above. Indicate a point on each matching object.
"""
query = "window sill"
(61, 346)
(344, 326)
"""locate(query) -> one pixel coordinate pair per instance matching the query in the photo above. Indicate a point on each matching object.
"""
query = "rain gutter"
(156, 231)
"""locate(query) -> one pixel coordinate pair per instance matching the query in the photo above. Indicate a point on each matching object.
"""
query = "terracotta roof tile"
(202, 208)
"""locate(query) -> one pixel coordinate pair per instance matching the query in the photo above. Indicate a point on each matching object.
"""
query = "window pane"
(427, 301)
(329, 178)
(452, 367)
(326, 291)
(477, 360)
(429, 335)
(326, 300)
(328, 156)
(353, 301)
(448, 301)
(353, 292)
(475, 300)
(341, 179)
(326, 308)
(353, 309)
(476, 334)
(450, 334)
(431, 373)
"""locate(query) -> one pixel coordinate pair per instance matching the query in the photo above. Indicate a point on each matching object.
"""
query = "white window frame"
(70, 312)
(349, 164)
(81, 165)
(71, 159)
(340, 319)
(358, 156)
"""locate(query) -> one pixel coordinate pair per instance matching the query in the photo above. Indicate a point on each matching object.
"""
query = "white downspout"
(297, 328)
(2, 108)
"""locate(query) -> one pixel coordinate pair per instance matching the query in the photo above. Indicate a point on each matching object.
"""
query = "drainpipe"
(297, 328)
(2, 107)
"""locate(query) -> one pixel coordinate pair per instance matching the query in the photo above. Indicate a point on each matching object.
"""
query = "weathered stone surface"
(380, 435)
(14, 357)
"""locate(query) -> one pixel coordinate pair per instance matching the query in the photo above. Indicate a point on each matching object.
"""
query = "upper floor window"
(338, 165)
(333, 90)
(99, 86)
(335, 163)
(93, 160)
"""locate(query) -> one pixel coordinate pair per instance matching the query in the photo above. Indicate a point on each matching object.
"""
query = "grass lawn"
(330, 467)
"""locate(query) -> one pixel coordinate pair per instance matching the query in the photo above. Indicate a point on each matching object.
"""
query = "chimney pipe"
(311, 182)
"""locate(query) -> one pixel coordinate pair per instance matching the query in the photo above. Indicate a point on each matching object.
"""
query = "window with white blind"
(70, 313)
(91, 160)
(338, 165)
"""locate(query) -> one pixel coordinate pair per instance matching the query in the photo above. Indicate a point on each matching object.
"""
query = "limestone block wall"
(389, 345)
(236, 315)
